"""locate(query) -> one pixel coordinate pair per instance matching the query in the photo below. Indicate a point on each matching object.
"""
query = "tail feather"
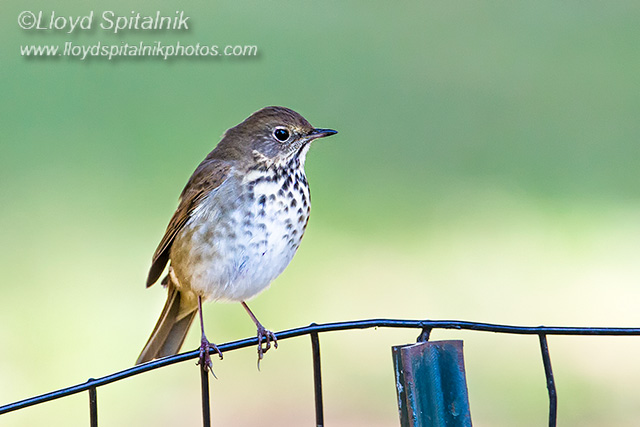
(172, 326)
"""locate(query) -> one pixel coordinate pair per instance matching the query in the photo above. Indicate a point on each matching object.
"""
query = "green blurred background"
(486, 169)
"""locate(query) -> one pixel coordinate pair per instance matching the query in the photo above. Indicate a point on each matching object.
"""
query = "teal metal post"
(431, 384)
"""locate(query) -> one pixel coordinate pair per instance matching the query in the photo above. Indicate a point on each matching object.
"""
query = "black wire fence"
(313, 331)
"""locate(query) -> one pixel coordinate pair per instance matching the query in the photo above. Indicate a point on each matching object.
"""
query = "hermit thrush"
(239, 222)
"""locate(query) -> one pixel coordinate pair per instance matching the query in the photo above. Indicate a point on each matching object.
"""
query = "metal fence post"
(204, 389)
(431, 384)
(317, 379)
(551, 385)
(93, 406)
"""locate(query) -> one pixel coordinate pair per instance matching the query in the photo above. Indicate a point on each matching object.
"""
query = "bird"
(239, 222)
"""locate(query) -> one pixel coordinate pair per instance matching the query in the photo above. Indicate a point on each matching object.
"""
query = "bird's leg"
(205, 345)
(262, 333)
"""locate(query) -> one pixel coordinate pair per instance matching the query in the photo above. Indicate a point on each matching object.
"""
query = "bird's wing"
(207, 177)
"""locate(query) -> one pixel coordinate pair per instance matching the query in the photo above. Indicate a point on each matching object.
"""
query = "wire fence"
(313, 330)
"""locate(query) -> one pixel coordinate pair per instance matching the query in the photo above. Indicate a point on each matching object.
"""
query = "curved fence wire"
(313, 331)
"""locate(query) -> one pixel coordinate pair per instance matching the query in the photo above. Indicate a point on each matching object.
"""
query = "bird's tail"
(172, 327)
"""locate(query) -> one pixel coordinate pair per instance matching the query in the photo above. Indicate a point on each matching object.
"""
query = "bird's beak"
(320, 133)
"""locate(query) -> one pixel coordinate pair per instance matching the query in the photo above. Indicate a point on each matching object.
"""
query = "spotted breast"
(237, 248)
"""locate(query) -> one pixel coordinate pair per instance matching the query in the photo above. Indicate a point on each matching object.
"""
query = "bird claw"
(268, 337)
(206, 348)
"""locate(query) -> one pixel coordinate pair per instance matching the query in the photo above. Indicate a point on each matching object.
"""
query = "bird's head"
(274, 135)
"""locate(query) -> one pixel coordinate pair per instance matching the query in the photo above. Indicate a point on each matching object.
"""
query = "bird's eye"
(281, 134)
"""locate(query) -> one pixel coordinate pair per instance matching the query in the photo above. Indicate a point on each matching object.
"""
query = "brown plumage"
(221, 243)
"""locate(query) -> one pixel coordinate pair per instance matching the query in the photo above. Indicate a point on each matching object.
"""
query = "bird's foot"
(268, 337)
(206, 348)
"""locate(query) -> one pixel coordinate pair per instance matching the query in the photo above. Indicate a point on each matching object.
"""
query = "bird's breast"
(243, 235)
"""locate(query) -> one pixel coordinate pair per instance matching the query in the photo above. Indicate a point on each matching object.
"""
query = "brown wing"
(207, 177)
